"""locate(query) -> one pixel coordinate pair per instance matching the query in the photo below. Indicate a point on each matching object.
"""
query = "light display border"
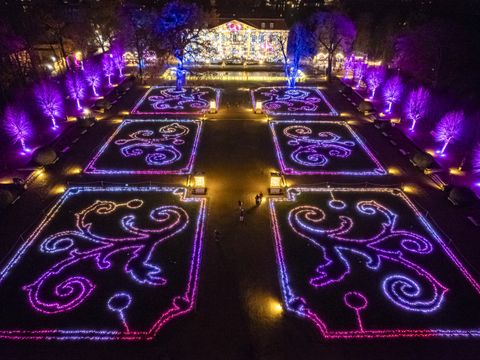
(140, 102)
(379, 170)
(91, 169)
(332, 112)
(175, 310)
(299, 305)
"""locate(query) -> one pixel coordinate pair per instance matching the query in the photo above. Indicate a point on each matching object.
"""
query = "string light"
(281, 100)
(138, 245)
(167, 144)
(402, 291)
(315, 153)
(168, 100)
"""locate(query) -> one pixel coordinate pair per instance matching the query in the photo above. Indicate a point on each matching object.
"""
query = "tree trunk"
(329, 67)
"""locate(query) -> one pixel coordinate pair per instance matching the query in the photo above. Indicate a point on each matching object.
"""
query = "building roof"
(278, 23)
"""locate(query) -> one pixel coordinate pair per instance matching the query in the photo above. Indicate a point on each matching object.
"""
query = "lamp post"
(277, 184)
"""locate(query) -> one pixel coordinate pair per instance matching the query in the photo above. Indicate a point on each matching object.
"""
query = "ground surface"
(236, 314)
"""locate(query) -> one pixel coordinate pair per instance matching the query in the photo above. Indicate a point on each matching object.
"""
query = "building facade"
(240, 41)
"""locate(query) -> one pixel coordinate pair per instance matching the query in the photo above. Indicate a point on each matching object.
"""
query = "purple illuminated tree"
(476, 159)
(348, 66)
(332, 32)
(448, 128)
(359, 69)
(50, 101)
(117, 57)
(375, 77)
(76, 88)
(108, 68)
(416, 106)
(93, 76)
(298, 46)
(18, 127)
(392, 92)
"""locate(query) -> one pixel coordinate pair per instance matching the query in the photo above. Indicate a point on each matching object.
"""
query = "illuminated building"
(243, 41)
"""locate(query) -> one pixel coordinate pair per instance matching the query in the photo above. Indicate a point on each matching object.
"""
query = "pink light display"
(368, 238)
(76, 261)
(283, 100)
(322, 147)
(168, 100)
(149, 147)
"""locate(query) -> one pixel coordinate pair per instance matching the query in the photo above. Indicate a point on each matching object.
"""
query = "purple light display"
(378, 263)
(416, 106)
(85, 262)
(108, 68)
(322, 147)
(76, 88)
(50, 101)
(476, 159)
(449, 128)
(149, 147)
(18, 127)
(392, 92)
(118, 60)
(93, 77)
(375, 77)
(287, 101)
(359, 69)
(168, 100)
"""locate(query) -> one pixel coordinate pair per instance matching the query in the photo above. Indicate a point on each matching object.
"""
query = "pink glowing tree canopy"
(50, 101)
(417, 105)
(375, 77)
(18, 126)
(108, 68)
(93, 76)
(392, 92)
(76, 88)
(448, 128)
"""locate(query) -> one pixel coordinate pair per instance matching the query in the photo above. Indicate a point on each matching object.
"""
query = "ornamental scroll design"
(60, 288)
(411, 287)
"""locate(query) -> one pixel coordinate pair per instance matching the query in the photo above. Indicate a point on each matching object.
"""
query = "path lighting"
(258, 107)
(198, 184)
(213, 107)
(276, 183)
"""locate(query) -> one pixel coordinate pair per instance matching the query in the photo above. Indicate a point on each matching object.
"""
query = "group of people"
(258, 201)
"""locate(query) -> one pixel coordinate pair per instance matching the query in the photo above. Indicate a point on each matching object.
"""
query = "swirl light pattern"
(149, 147)
(322, 147)
(168, 100)
(283, 100)
(72, 283)
(401, 259)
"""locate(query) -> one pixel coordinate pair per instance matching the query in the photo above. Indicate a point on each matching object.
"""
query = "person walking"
(242, 215)
(257, 199)
(216, 235)
(240, 204)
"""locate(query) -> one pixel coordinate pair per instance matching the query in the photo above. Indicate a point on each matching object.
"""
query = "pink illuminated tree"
(50, 101)
(108, 68)
(76, 88)
(392, 92)
(18, 127)
(448, 128)
(93, 76)
(417, 105)
(375, 77)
